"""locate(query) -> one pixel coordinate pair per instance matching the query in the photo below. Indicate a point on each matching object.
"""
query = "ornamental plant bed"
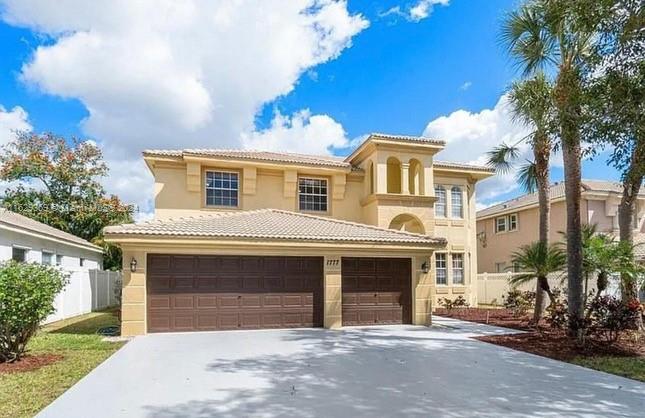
(29, 363)
(491, 316)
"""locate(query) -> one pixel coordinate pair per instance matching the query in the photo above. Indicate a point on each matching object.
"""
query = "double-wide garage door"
(201, 292)
(204, 292)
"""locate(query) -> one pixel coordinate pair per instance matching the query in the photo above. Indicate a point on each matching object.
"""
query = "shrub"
(609, 316)
(518, 301)
(449, 304)
(27, 293)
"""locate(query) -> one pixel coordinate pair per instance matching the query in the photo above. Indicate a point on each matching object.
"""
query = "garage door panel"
(234, 292)
(375, 291)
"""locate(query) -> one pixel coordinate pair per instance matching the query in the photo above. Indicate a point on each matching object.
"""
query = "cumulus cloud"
(466, 86)
(415, 12)
(12, 121)
(161, 73)
(469, 135)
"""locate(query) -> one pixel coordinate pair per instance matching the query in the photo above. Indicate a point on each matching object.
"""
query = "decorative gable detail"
(339, 186)
(290, 183)
(193, 177)
(249, 177)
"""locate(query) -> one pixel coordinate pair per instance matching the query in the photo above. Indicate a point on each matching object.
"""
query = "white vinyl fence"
(87, 291)
(491, 287)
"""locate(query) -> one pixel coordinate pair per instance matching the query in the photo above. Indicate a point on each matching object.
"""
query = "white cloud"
(415, 12)
(470, 135)
(466, 86)
(12, 121)
(161, 73)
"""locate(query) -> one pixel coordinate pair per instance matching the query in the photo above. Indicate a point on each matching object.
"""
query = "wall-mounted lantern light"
(133, 265)
(425, 267)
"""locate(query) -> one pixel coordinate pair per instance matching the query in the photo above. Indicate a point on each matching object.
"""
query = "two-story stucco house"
(250, 239)
(505, 227)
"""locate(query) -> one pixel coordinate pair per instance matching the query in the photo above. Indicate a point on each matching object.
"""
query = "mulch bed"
(29, 363)
(544, 341)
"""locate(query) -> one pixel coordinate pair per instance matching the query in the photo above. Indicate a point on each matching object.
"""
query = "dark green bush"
(27, 293)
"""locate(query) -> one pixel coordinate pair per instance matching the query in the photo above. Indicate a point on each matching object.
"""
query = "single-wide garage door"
(376, 291)
(202, 292)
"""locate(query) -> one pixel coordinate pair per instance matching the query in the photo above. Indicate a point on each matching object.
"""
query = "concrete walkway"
(376, 371)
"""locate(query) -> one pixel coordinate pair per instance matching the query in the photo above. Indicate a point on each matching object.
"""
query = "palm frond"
(501, 157)
(527, 177)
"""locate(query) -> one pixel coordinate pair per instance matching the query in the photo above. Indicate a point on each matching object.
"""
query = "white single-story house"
(24, 239)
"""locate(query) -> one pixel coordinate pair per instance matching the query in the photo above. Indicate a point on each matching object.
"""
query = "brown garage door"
(376, 291)
(199, 293)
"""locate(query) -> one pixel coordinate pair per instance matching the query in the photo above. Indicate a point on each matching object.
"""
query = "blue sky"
(254, 79)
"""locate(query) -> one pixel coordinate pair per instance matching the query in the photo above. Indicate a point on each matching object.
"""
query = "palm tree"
(536, 261)
(532, 105)
(543, 34)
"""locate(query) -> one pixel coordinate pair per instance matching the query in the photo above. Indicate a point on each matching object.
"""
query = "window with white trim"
(506, 223)
(457, 268)
(19, 254)
(440, 203)
(512, 222)
(441, 272)
(457, 202)
(222, 188)
(46, 258)
(500, 267)
(312, 194)
(59, 259)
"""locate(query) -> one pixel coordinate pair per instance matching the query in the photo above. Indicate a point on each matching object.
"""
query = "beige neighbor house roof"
(19, 223)
(272, 224)
(462, 166)
(556, 192)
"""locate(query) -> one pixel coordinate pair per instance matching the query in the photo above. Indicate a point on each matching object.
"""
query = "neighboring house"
(252, 239)
(505, 227)
(24, 239)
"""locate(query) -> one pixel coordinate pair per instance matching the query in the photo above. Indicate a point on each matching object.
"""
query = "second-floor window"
(440, 270)
(457, 201)
(312, 194)
(19, 254)
(440, 203)
(506, 223)
(222, 188)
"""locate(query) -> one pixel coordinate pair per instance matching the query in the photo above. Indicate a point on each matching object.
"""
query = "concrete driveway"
(375, 371)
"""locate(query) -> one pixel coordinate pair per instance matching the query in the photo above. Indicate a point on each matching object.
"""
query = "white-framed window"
(457, 202)
(19, 254)
(440, 203)
(312, 194)
(500, 267)
(457, 268)
(46, 258)
(441, 271)
(59, 259)
(506, 223)
(222, 188)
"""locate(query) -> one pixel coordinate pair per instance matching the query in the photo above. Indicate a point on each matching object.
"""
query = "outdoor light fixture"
(425, 267)
(133, 265)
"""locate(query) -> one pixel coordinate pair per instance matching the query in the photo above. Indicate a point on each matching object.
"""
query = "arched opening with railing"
(393, 175)
(407, 222)
(415, 177)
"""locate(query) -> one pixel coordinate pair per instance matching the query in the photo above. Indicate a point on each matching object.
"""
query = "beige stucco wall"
(500, 246)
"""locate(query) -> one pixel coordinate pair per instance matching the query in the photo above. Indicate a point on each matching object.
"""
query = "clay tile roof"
(285, 157)
(407, 138)
(273, 224)
(556, 191)
(464, 166)
(20, 222)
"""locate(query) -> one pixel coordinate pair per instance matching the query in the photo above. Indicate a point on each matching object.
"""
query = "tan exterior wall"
(499, 247)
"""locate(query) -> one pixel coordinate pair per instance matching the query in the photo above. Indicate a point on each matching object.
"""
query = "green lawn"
(24, 394)
(632, 367)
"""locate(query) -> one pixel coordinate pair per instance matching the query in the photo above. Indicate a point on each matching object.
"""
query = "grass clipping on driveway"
(77, 350)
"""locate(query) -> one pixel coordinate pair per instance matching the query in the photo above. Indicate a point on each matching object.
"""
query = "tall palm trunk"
(631, 186)
(568, 107)
(541, 154)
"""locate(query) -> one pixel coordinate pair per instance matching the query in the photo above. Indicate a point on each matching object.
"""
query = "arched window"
(415, 180)
(457, 202)
(440, 203)
(393, 175)
(370, 173)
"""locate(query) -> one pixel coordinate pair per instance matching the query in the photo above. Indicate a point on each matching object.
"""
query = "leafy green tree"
(27, 293)
(532, 105)
(544, 35)
(70, 196)
(536, 261)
